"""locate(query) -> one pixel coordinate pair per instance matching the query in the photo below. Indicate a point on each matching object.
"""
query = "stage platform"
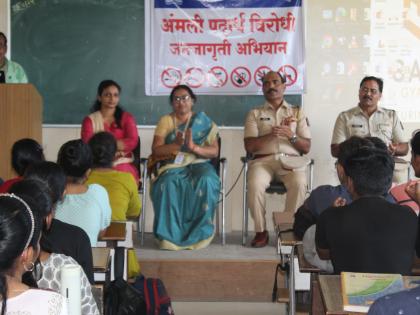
(229, 273)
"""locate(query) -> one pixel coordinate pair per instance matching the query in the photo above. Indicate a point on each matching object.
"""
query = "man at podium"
(10, 72)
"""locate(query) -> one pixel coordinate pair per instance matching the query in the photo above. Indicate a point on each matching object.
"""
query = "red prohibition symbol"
(240, 77)
(171, 77)
(290, 73)
(194, 77)
(260, 73)
(217, 77)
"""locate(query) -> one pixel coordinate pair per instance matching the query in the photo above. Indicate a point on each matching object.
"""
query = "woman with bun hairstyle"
(108, 115)
(20, 228)
(121, 188)
(86, 206)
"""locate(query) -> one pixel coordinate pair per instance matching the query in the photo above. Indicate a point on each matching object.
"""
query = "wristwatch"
(293, 139)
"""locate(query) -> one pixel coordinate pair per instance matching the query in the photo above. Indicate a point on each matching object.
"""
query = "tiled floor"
(226, 308)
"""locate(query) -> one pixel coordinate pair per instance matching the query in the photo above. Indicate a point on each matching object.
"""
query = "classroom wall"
(321, 112)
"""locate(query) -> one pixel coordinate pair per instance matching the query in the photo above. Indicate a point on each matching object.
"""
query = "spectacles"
(178, 99)
(367, 90)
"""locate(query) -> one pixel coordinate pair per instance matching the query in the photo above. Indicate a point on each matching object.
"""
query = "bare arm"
(208, 151)
(160, 149)
(398, 149)
(335, 149)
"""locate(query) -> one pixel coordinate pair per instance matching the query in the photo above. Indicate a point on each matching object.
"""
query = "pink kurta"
(127, 133)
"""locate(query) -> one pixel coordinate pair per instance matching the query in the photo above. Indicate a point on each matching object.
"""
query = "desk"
(330, 286)
(115, 232)
(101, 263)
(286, 242)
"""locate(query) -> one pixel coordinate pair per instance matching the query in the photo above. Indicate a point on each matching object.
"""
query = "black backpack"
(121, 298)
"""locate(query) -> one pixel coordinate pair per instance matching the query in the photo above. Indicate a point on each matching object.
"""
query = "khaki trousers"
(260, 174)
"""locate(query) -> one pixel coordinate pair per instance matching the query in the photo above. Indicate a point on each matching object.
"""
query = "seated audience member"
(63, 238)
(121, 187)
(405, 194)
(186, 191)
(108, 115)
(25, 152)
(47, 268)
(406, 302)
(326, 196)
(370, 234)
(20, 230)
(86, 206)
(12, 71)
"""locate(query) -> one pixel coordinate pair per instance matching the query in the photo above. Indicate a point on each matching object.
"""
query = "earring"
(30, 268)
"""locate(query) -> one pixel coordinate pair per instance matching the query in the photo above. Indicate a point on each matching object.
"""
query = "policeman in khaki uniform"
(368, 119)
(276, 134)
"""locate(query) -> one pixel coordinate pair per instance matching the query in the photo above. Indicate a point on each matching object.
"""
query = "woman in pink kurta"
(107, 115)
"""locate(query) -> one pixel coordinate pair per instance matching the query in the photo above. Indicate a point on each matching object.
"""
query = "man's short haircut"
(379, 81)
(282, 76)
(415, 143)
(4, 37)
(378, 143)
(350, 146)
(371, 171)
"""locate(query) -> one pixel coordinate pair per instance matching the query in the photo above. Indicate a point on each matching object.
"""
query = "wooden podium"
(20, 117)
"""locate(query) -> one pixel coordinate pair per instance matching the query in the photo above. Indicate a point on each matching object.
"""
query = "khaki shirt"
(383, 123)
(259, 122)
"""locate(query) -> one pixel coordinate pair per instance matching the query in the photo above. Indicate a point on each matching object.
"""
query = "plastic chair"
(276, 187)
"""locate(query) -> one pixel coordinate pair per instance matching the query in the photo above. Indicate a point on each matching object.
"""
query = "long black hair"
(26, 152)
(15, 230)
(52, 175)
(97, 104)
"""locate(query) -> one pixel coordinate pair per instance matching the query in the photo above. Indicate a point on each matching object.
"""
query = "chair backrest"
(216, 160)
(136, 154)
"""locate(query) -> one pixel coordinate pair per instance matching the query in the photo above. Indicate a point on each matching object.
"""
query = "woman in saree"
(108, 115)
(186, 190)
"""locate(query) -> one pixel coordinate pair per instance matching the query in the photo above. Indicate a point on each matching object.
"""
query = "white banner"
(223, 46)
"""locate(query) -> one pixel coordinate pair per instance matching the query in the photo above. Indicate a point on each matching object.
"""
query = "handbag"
(121, 298)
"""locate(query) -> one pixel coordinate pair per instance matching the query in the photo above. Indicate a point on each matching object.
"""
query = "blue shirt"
(90, 211)
(402, 303)
(323, 197)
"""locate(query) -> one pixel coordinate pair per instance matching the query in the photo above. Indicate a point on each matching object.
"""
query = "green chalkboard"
(68, 46)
